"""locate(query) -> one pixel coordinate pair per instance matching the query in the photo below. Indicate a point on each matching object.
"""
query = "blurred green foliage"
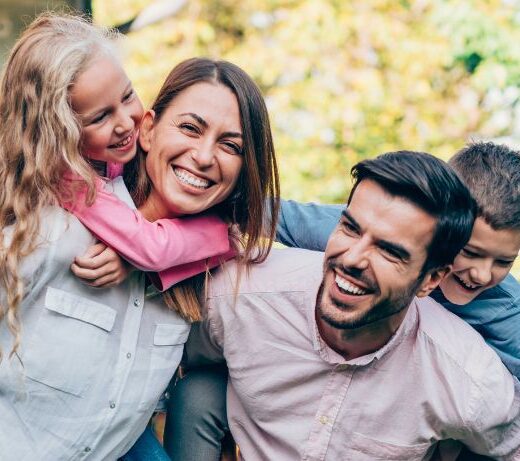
(345, 80)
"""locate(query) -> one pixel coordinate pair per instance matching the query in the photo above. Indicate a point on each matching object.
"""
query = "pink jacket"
(176, 248)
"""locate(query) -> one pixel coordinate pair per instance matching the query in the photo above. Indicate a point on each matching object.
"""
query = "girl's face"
(194, 151)
(109, 110)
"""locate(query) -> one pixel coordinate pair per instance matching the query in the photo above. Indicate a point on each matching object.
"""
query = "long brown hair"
(253, 204)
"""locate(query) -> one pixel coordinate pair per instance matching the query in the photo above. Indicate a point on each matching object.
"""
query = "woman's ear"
(432, 280)
(146, 130)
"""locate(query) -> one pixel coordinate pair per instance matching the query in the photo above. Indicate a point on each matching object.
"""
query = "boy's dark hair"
(432, 185)
(492, 174)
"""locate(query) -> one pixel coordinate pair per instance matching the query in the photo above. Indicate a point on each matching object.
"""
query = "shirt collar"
(330, 356)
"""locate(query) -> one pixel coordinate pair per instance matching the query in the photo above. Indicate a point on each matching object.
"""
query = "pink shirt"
(291, 397)
(176, 248)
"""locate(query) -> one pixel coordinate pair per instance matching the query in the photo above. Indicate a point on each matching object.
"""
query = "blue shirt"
(495, 313)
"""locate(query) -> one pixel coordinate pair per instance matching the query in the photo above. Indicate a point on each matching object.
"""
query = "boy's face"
(483, 262)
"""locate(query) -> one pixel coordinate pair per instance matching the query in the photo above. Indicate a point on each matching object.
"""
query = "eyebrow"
(396, 248)
(198, 118)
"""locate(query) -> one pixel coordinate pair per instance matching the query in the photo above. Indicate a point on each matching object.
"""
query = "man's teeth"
(190, 179)
(466, 284)
(124, 142)
(349, 287)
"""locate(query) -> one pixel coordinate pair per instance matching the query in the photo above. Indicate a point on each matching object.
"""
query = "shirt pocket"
(69, 343)
(363, 448)
(165, 356)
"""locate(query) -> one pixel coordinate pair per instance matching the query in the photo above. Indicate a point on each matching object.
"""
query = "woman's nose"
(203, 155)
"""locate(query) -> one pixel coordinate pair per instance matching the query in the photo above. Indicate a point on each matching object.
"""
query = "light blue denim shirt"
(495, 313)
(93, 362)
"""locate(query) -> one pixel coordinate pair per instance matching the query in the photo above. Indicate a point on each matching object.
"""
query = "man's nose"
(357, 254)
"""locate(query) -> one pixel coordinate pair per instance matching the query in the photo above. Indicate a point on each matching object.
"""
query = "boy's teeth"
(466, 284)
(349, 287)
(190, 179)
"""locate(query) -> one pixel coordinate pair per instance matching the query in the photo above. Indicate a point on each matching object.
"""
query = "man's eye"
(128, 95)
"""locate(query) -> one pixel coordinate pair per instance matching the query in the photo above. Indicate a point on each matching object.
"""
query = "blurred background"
(343, 80)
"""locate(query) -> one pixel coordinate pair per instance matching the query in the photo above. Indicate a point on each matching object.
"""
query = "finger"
(106, 281)
(91, 274)
(94, 250)
(106, 261)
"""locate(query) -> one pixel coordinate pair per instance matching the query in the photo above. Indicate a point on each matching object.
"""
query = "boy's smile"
(483, 263)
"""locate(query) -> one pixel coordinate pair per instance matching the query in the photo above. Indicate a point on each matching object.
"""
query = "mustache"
(355, 273)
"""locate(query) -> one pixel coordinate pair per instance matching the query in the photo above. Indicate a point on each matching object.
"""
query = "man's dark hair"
(492, 174)
(433, 186)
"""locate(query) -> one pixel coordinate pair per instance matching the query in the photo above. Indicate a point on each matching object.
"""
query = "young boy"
(480, 289)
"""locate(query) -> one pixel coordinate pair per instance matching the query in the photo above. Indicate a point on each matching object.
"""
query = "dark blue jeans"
(147, 448)
(196, 420)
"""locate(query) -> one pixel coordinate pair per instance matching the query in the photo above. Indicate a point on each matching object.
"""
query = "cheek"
(231, 169)
(337, 244)
(498, 274)
(460, 264)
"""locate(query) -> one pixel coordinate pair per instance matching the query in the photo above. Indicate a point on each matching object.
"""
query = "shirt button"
(128, 355)
(137, 303)
(112, 404)
(324, 419)
(166, 395)
(87, 449)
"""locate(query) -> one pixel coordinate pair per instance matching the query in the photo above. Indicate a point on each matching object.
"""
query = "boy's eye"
(503, 262)
(469, 253)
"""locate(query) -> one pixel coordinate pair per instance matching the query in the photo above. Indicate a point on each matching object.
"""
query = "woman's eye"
(234, 147)
(189, 127)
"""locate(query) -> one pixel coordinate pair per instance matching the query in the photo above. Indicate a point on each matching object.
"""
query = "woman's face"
(194, 151)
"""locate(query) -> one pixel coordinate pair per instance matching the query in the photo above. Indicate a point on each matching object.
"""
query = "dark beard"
(385, 308)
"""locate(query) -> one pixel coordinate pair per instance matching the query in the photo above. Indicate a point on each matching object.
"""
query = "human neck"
(357, 342)
(153, 208)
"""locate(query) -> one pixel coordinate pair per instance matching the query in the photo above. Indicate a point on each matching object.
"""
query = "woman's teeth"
(349, 287)
(188, 178)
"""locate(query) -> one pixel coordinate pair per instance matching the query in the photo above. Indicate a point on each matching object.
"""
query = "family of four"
(122, 228)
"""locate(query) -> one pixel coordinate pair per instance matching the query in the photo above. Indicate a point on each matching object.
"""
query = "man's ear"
(432, 280)
(146, 130)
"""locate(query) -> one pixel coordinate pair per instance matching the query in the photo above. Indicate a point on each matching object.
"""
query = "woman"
(88, 365)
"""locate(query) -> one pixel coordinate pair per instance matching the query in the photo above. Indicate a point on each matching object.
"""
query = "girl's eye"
(99, 118)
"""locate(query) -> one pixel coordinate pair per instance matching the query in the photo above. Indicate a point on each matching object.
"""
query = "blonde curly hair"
(40, 138)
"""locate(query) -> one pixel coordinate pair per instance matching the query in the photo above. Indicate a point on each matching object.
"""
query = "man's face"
(483, 262)
(374, 258)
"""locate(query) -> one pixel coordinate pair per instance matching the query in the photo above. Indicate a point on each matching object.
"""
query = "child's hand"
(101, 267)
